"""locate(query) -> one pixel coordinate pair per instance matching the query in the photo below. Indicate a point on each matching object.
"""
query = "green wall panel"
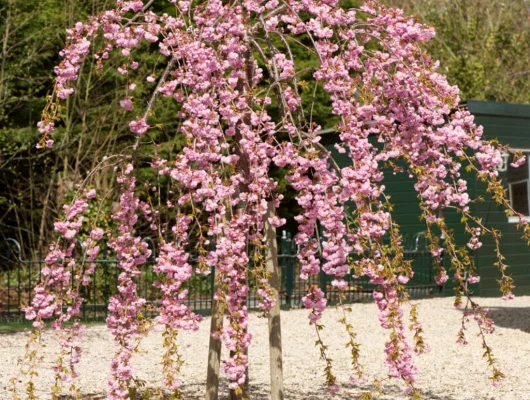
(511, 125)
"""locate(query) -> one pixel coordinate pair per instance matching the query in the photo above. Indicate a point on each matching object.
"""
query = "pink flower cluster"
(315, 301)
(398, 351)
(173, 267)
(125, 306)
(56, 298)
(139, 126)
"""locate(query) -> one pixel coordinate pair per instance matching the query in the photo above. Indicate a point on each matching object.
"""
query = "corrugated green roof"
(501, 109)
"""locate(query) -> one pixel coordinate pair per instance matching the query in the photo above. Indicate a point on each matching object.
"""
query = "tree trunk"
(244, 86)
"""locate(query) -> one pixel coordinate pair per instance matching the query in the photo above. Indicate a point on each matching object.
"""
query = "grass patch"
(17, 326)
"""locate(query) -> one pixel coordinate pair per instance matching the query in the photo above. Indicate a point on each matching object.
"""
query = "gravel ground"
(448, 372)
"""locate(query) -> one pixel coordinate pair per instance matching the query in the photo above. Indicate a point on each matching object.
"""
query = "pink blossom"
(333, 388)
(65, 93)
(45, 127)
(139, 126)
(96, 233)
(520, 161)
(441, 279)
(127, 104)
(277, 222)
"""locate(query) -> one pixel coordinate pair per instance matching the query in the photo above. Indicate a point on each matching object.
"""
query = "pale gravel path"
(448, 372)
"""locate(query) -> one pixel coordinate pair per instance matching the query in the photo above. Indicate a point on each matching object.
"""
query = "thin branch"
(153, 97)
(144, 9)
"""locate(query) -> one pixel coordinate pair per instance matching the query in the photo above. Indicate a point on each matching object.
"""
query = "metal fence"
(18, 278)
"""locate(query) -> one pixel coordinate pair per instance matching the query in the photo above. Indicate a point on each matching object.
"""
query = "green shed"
(510, 124)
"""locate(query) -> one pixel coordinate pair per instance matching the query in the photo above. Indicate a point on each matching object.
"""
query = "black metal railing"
(18, 277)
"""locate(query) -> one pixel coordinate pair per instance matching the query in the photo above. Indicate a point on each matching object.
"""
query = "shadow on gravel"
(348, 392)
(511, 317)
(388, 392)
(261, 392)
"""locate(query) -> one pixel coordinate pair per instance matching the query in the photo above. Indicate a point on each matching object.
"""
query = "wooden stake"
(214, 351)
(275, 329)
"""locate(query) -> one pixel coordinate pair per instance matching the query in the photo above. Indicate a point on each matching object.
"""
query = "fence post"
(8, 292)
(323, 279)
(18, 284)
(288, 272)
(323, 282)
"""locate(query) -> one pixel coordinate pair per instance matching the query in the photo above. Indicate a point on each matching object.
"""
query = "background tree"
(482, 45)
(35, 184)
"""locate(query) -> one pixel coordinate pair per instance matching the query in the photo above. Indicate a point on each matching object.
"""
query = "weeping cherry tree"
(230, 72)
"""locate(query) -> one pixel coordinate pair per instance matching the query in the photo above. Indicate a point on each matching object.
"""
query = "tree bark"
(243, 167)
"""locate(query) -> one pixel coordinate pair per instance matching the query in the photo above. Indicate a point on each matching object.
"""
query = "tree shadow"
(262, 392)
(348, 392)
(511, 317)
